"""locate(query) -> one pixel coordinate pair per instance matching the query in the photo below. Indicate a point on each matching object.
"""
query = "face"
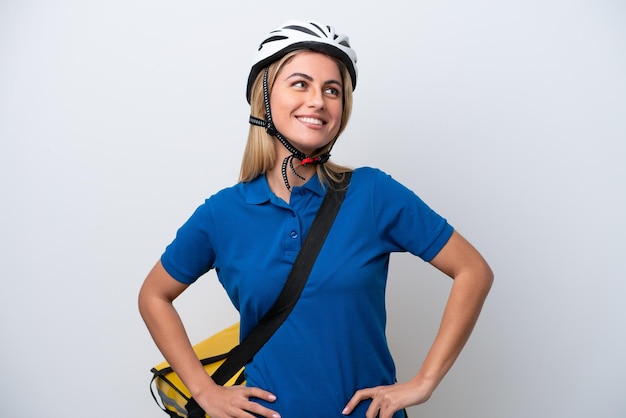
(307, 101)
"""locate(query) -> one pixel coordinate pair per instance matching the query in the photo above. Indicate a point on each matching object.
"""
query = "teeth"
(311, 120)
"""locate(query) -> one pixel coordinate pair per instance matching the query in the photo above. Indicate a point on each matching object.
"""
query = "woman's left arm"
(472, 280)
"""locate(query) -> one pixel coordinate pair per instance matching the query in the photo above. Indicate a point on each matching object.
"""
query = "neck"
(275, 178)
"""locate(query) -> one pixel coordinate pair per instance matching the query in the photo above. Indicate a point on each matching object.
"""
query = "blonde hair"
(260, 156)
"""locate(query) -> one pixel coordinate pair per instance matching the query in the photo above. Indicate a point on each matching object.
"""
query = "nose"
(316, 99)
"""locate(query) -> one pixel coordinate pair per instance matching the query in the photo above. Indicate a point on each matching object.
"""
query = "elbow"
(147, 299)
(487, 276)
(142, 302)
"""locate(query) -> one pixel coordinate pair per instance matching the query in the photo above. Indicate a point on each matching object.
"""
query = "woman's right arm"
(166, 328)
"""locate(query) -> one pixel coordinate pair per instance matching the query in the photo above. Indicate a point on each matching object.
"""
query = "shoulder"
(239, 193)
(214, 206)
(226, 194)
(384, 190)
(376, 180)
(366, 173)
(367, 176)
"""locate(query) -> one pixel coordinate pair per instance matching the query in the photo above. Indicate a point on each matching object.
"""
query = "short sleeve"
(191, 253)
(405, 222)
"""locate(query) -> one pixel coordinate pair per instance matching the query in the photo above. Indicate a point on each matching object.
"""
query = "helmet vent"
(303, 29)
(272, 39)
(328, 28)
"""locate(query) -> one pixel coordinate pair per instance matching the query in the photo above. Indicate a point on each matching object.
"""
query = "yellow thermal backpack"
(211, 352)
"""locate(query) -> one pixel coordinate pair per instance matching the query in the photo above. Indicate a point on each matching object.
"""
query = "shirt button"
(294, 234)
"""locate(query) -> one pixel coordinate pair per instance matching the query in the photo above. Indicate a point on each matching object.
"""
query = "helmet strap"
(268, 124)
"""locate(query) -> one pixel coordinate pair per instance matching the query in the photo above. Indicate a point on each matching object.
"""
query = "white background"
(118, 118)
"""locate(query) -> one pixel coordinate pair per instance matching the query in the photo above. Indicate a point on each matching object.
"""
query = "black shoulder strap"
(243, 353)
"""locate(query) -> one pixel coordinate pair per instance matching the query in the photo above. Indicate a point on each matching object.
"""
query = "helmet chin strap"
(268, 124)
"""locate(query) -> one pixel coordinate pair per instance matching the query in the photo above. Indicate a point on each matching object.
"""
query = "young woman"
(330, 357)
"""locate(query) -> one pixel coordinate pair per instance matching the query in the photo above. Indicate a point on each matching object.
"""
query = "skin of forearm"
(168, 333)
(460, 315)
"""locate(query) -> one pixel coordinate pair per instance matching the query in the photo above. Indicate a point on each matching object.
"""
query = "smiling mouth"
(312, 121)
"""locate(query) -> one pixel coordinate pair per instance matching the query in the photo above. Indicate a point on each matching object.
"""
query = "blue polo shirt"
(333, 342)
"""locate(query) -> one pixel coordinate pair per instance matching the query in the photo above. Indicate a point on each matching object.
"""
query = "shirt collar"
(314, 185)
(258, 191)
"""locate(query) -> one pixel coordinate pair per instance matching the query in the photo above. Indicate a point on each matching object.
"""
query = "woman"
(330, 357)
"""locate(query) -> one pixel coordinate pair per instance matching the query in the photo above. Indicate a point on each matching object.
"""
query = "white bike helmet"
(296, 34)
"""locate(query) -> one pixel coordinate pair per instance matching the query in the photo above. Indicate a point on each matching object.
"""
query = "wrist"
(201, 385)
(425, 383)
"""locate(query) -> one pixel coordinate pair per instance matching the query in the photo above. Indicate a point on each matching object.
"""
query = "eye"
(299, 84)
(333, 91)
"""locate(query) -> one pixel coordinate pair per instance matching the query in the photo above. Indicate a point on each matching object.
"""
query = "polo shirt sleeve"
(405, 222)
(191, 253)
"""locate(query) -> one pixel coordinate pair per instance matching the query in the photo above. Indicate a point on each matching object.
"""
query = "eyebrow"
(309, 78)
